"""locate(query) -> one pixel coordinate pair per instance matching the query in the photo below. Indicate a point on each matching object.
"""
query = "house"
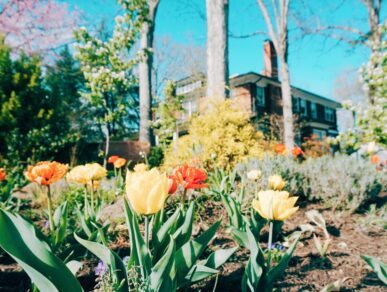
(260, 94)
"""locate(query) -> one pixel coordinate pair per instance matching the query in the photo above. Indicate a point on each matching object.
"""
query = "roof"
(253, 77)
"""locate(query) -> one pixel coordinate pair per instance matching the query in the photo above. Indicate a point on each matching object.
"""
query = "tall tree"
(33, 123)
(276, 18)
(353, 34)
(35, 26)
(108, 68)
(174, 61)
(145, 70)
(217, 48)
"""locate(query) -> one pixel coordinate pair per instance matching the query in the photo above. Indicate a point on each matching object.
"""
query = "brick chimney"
(270, 59)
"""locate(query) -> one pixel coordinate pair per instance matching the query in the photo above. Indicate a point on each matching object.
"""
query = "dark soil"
(307, 270)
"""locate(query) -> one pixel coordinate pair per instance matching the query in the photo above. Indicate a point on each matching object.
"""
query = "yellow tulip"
(276, 182)
(275, 205)
(147, 190)
(79, 175)
(84, 174)
(140, 167)
(96, 171)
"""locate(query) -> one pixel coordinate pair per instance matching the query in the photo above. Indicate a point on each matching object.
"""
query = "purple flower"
(101, 269)
(278, 246)
(46, 225)
(126, 260)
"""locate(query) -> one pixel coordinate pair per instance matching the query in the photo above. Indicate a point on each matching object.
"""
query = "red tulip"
(190, 177)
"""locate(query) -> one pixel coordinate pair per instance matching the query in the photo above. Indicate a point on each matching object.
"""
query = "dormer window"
(188, 87)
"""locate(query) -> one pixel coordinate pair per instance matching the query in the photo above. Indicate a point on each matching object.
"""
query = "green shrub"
(340, 182)
(287, 167)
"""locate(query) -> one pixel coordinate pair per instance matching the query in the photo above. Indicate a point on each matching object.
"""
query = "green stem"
(269, 244)
(50, 215)
(86, 204)
(92, 195)
(146, 222)
(183, 200)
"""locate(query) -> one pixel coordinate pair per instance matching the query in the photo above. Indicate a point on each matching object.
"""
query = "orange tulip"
(172, 185)
(46, 172)
(375, 159)
(3, 175)
(190, 177)
(296, 151)
(280, 149)
(119, 162)
(113, 158)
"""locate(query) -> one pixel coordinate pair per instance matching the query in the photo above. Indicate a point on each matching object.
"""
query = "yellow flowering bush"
(223, 133)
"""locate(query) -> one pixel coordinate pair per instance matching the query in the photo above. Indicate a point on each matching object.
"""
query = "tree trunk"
(217, 48)
(145, 73)
(287, 105)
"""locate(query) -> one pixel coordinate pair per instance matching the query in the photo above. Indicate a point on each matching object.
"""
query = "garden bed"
(307, 270)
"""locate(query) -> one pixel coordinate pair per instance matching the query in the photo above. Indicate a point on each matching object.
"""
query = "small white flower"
(254, 174)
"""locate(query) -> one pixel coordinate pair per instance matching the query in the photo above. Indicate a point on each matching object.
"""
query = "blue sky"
(315, 62)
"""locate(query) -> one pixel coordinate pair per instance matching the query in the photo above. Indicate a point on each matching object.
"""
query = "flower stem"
(183, 200)
(92, 196)
(269, 244)
(50, 215)
(146, 231)
(86, 204)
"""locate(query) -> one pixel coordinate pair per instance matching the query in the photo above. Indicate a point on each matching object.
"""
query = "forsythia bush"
(222, 134)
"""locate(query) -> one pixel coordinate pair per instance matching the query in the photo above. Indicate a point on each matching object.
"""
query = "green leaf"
(240, 237)
(219, 257)
(184, 232)
(189, 253)
(252, 275)
(377, 266)
(139, 256)
(279, 269)
(200, 272)
(61, 221)
(110, 258)
(20, 240)
(163, 276)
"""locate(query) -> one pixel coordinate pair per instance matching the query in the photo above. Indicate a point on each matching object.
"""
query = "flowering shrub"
(222, 135)
(341, 182)
(286, 167)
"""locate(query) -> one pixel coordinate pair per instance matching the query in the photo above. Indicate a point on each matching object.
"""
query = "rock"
(113, 212)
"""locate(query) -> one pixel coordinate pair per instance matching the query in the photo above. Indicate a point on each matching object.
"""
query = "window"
(260, 96)
(320, 134)
(313, 110)
(329, 114)
(303, 110)
(190, 107)
(295, 104)
(188, 87)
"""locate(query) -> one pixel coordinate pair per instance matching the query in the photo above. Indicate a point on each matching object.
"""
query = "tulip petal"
(286, 214)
